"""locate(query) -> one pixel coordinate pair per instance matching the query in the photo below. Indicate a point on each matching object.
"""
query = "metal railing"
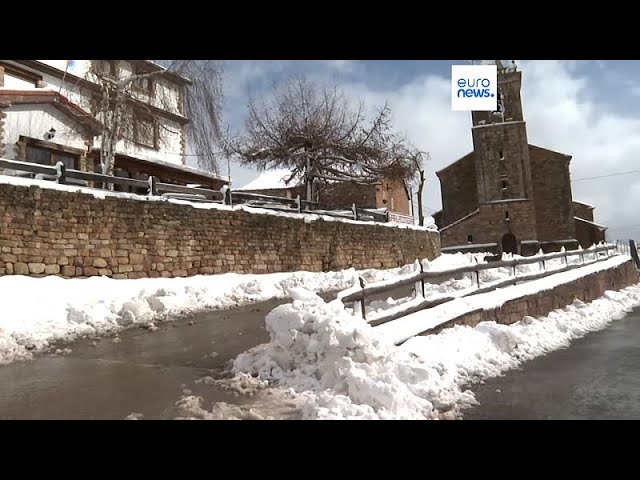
(60, 174)
(358, 294)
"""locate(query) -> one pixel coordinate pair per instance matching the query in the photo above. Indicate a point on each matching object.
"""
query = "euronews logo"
(474, 87)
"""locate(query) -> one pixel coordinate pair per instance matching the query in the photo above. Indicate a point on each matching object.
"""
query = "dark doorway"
(509, 243)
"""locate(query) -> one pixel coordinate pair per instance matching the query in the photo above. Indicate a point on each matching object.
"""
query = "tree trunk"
(309, 179)
(420, 189)
(111, 134)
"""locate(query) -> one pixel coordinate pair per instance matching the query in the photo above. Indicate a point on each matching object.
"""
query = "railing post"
(61, 173)
(544, 265)
(299, 204)
(354, 209)
(228, 199)
(152, 186)
(362, 284)
(418, 286)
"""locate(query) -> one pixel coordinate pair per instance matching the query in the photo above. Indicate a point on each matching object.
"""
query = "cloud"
(563, 112)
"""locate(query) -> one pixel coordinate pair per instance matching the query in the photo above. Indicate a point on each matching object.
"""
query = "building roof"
(531, 146)
(272, 180)
(51, 97)
(173, 166)
(464, 157)
(598, 226)
(584, 204)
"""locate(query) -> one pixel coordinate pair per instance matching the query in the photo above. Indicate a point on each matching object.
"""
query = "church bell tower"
(503, 170)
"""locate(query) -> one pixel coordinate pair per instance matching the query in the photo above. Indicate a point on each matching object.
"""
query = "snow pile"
(70, 308)
(343, 369)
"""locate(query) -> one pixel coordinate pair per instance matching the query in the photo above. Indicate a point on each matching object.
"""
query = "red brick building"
(508, 195)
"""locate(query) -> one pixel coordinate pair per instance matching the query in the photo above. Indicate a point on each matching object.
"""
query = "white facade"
(29, 120)
(35, 121)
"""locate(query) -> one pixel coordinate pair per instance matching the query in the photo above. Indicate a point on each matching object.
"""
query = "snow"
(460, 220)
(271, 180)
(307, 218)
(501, 123)
(416, 323)
(342, 368)
(38, 312)
(602, 227)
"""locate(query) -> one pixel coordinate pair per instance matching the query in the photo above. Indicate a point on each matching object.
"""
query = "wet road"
(144, 372)
(596, 378)
(140, 371)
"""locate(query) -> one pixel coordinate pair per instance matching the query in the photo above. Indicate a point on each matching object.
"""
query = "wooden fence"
(357, 295)
(152, 187)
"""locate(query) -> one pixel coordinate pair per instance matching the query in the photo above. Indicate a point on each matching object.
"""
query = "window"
(501, 155)
(144, 85)
(145, 132)
(44, 156)
(108, 68)
(506, 215)
(504, 185)
(470, 238)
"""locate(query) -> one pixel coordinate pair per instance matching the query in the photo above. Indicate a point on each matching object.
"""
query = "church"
(508, 195)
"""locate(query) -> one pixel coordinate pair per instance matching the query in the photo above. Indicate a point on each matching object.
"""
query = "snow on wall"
(36, 120)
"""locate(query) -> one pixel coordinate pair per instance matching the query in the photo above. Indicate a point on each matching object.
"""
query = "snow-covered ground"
(342, 368)
(36, 312)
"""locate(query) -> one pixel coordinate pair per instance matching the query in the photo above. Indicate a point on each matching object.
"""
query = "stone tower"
(503, 170)
(490, 199)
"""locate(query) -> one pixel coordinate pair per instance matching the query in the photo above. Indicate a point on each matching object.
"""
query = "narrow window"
(506, 215)
(504, 185)
(470, 238)
(501, 155)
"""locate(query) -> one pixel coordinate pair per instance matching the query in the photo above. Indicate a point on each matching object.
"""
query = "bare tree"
(125, 106)
(419, 159)
(315, 132)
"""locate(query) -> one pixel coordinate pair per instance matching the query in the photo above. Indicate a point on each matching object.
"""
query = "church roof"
(598, 226)
(470, 154)
(531, 146)
(584, 204)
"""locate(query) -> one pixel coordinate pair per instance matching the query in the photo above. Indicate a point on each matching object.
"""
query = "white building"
(49, 113)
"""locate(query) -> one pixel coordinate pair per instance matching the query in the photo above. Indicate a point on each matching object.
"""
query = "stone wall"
(581, 210)
(490, 224)
(459, 189)
(588, 234)
(45, 231)
(552, 194)
(502, 161)
(392, 194)
(587, 289)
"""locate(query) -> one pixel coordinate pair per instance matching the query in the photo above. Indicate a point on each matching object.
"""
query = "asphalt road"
(596, 378)
(144, 372)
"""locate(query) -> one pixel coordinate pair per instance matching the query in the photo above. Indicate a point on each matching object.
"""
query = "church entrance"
(509, 243)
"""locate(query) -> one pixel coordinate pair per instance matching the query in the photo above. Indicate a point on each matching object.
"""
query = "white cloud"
(562, 113)
(343, 66)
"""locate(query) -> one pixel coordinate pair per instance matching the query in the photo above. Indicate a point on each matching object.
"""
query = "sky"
(589, 109)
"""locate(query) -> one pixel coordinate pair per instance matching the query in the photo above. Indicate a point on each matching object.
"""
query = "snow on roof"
(460, 220)
(602, 227)
(585, 204)
(272, 180)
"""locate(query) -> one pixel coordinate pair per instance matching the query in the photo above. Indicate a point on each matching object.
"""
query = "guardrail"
(60, 174)
(358, 294)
